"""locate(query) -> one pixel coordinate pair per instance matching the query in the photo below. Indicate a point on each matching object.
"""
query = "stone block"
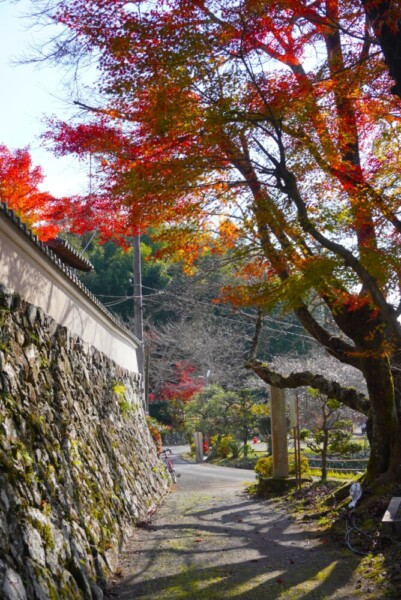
(13, 588)
(34, 544)
(391, 521)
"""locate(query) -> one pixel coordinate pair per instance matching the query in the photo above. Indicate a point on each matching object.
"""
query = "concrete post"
(198, 438)
(279, 433)
(138, 318)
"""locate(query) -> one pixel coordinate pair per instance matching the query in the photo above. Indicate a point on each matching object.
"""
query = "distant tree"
(216, 412)
(208, 411)
(112, 277)
(243, 420)
(263, 424)
(161, 411)
(330, 436)
(195, 328)
(185, 384)
(19, 188)
(174, 394)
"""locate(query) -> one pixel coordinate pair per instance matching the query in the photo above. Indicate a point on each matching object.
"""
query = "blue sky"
(29, 92)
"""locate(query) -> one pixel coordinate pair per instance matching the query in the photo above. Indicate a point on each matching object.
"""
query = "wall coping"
(64, 270)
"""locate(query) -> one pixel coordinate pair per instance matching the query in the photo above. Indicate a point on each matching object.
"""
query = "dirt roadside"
(211, 541)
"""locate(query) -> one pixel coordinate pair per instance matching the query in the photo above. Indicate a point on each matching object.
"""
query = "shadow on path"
(210, 542)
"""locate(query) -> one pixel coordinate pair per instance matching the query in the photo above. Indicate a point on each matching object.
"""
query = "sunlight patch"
(297, 592)
(189, 586)
(252, 583)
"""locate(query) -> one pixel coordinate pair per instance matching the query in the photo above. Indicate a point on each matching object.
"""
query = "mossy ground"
(323, 507)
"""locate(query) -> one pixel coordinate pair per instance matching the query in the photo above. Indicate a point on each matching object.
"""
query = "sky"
(28, 93)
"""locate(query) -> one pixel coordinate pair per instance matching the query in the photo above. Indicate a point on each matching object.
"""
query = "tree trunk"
(245, 441)
(388, 33)
(384, 434)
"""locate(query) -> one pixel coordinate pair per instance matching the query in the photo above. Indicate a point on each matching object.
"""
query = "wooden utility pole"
(138, 315)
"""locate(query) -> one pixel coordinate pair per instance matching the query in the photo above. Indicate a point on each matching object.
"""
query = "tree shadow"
(245, 550)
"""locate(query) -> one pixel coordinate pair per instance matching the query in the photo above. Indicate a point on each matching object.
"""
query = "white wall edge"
(18, 240)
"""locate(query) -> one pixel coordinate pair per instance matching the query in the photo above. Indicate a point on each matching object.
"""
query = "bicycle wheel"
(173, 475)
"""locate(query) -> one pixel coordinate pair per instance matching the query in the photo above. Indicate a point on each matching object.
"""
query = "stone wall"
(78, 468)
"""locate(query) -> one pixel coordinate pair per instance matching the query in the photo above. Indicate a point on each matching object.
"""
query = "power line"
(266, 327)
(285, 327)
(267, 318)
(193, 301)
(284, 330)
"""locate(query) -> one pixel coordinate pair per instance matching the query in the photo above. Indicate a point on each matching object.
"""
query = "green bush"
(264, 466)
(227, 447)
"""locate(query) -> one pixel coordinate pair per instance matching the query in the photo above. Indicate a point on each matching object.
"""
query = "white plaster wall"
(26, 270)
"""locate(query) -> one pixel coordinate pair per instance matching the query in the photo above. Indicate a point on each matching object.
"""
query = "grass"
(336, 475)
(324, 507)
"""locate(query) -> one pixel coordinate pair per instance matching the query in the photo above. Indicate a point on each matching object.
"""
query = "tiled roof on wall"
(65, 269)
(69, 255)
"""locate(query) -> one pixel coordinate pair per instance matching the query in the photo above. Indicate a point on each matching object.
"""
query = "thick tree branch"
(383, 19)
(335, 346)
(255, 340)
(348, 396)
(350, 260)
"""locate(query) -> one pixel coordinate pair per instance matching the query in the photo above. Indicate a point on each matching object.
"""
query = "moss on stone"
(61, 453)
(53, 595)
(36, 423)
(45, 532)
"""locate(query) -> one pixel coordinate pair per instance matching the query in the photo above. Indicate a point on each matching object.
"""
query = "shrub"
(155, 429)
(224, 446)
(215, 440)
(264, 466)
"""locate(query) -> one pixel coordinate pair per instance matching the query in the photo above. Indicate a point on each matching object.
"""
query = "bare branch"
(348, 396)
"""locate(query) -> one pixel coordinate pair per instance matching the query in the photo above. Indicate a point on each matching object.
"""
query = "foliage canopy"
(265, 127)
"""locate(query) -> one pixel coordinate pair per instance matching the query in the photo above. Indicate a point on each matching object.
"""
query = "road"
(206, 477)
(211, 541)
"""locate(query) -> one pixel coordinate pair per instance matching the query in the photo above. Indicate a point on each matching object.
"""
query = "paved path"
(210, 541)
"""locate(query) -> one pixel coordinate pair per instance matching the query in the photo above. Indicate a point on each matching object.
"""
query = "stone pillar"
(279, 433)
(198, 439)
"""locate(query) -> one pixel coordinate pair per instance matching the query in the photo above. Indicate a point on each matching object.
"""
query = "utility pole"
(138, 315)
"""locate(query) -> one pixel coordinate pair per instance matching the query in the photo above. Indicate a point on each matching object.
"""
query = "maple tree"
(185, 384)
(19, 188)
(266, 127)
(167, 403)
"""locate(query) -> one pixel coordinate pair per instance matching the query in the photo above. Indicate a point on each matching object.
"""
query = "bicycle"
(165, 454)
